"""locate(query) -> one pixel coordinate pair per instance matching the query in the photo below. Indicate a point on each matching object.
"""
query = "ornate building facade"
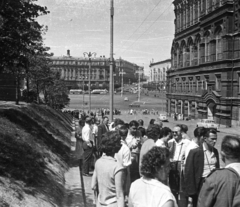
(158, 72)
(75, 71)
(204, 79)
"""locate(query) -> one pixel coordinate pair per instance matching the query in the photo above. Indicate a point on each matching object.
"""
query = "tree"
(56, 94)
(20, 36)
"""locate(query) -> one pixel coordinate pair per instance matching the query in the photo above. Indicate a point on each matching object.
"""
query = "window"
(218, 83)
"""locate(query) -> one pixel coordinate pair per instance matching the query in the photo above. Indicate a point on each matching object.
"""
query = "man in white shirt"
(88, 145)
(177, 146)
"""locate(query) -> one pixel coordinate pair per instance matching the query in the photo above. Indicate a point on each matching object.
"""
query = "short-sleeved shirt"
(177, 149)
(124, 155)
(106, 168)
(150, 193)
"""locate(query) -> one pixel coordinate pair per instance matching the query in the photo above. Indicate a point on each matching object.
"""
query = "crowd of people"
(157, 166)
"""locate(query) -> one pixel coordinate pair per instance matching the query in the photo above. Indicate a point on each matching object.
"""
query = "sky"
(143, 29)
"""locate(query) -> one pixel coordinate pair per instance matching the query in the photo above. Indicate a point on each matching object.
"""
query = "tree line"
(24, 55)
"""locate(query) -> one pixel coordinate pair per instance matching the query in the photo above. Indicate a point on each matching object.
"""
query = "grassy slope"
(34, 151)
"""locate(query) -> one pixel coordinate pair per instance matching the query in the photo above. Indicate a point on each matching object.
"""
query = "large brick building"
(75, 71)
(205, 77)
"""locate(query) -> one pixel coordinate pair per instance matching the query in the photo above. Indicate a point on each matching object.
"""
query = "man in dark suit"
(102, 129)
(200, 163)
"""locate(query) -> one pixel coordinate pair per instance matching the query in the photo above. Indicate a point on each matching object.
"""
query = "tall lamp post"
(111, 62)
(89, 55)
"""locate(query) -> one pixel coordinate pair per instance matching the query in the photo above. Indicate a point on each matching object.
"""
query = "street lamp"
(89, 55)
(122, 73)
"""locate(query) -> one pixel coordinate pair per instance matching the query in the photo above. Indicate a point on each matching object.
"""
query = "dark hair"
(118, 122)
(153, 132)
(142, 130)
(123, 131)
(152, 121)
(111, 143)
(140, 121)
(208, 131)
(133, 123)
(126, 125)
(81, 122)
(199, 131)
(231, 147)
(184, 128)
(153, 160)
(165, 131)
(104, 117)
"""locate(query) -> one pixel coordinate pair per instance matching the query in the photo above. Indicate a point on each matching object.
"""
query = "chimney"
(68, 52)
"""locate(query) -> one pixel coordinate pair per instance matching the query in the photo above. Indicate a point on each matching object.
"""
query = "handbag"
(174, 174)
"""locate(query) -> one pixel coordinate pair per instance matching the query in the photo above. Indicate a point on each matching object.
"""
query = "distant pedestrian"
(222, 187)
(102, 129)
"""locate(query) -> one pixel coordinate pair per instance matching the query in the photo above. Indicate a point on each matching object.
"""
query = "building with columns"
(158, 72)
(75, 70)
(204, 81)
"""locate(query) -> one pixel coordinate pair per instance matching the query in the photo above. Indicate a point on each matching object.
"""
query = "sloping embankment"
(34, 152)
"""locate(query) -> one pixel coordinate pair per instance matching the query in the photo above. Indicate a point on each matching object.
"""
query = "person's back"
(106, 168)
(222, 187)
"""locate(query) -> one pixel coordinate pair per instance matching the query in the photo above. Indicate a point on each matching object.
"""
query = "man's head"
(105, 120)
(230, 149)
(199, 134)
(140, 122)
(177, 133)
(88, 120)
(133, 125)
(210, 137)
(118, 123)
(166, 133)
(123, 131)
(153, 132)
(184, 128)
(159, 123)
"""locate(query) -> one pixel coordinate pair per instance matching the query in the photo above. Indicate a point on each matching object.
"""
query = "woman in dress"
(109, 174)
(151, 190)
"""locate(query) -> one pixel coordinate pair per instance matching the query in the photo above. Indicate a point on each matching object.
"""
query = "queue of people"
(157, 166)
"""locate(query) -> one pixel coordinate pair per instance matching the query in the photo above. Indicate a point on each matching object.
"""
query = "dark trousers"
(134, 167)
(87, 157)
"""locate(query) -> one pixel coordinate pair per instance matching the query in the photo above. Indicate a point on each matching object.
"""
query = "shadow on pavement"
(74, 198)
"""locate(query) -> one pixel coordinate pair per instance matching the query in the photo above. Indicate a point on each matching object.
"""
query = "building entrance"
(211, 109)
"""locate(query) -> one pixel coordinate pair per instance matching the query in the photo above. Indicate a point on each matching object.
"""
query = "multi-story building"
(75, 71)
(158, 72)
(204, 81)
(128, 68)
